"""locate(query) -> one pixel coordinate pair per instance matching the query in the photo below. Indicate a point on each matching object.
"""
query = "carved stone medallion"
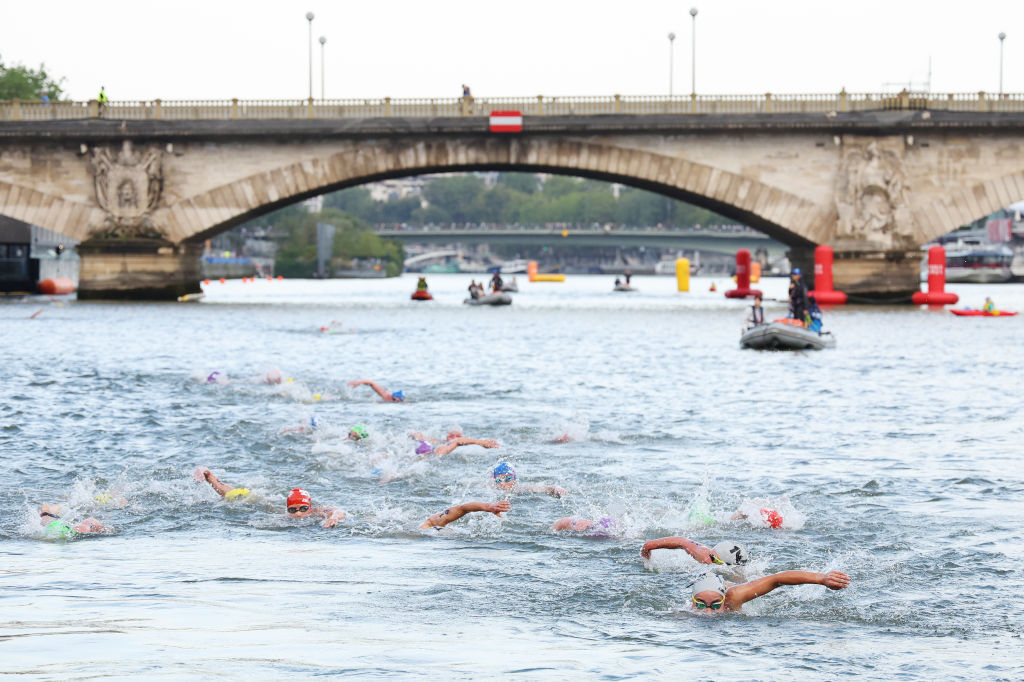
(128, 188)
(871, 196)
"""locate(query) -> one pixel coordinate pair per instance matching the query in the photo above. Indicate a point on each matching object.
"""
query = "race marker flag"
(506, 122)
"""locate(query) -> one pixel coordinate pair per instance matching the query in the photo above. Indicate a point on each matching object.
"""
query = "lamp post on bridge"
(323, 41)
(1002, 37)
(693, 54)
(309, 18)
(671, 60)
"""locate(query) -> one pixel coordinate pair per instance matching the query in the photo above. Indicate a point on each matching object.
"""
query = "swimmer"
(300, 506)
(217, 378)
(708, 593)
(224, 490)
(727, 552)
(56, 527)
(455, 439)
(387, 396)
(504, 478)
(770, 516)
(271, 376)
(311, 424)
(601, 528)
(358, 432)
(442, 519)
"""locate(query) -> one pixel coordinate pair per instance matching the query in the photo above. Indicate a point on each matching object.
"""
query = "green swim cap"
(236, 494)
(60, 529)
(360, 430)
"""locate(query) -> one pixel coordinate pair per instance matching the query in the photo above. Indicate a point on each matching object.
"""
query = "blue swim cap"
(797, 271)
(314, 422)
(398, 395)
(502, 469)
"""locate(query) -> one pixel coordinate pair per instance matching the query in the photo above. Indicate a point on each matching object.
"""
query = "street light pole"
(671, 60)
(309, 18)
(1002, 37)
(693, 55)
(322, 42)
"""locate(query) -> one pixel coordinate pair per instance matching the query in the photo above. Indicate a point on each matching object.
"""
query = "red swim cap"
(298, 496)
(772, 518)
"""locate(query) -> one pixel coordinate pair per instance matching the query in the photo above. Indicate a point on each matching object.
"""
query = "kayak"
(491, 299)
(783, 336)
(967, 312)
(421, 295)
(624, 287)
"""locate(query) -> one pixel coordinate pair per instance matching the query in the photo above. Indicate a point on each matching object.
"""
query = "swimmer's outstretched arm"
(462, 440)
(204, 474)
(374, 385)
(539, 488)
(738, 595)
(331, 515)
(458, 511)
(694, 549)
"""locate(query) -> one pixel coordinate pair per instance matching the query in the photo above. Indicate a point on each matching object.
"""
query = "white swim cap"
(707, 582)
(731, 552)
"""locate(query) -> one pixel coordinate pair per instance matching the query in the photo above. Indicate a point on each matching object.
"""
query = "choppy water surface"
(895, 457)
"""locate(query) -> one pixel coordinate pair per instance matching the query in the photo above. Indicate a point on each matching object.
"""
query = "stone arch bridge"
(142, 195)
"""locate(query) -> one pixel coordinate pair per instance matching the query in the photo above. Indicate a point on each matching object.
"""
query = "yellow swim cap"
(236, 494)
(290, 380)
(104, 498)
(316, 396)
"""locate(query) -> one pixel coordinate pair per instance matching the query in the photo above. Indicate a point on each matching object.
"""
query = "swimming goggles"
(714, 606)
(52, 516)
(298, 509)
(505, 478)
(715, 560)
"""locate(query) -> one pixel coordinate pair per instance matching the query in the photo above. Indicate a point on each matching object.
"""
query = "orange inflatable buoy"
(56, 286)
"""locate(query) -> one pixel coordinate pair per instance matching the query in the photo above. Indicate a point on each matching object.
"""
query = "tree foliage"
(522, 198)
(24, 83)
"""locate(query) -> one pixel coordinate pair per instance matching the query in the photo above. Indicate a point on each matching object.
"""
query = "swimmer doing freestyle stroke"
(299, 504)
(454, 439)
(708, 593)
(386, 396)
(56, 527)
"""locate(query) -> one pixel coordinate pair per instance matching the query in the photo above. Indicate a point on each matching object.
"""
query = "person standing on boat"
(756, 315)
(628, 274)
(421, 285)
(496, 283)
(473, 291)
(797, 296)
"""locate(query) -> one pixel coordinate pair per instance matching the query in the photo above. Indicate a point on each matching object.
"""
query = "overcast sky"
(257, 49)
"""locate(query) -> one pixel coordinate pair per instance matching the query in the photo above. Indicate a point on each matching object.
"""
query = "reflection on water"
(894, 457)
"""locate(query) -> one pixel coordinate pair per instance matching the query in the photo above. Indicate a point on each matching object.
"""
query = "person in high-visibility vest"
(102, 99)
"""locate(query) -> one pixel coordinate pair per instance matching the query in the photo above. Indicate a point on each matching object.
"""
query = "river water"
(895, 457)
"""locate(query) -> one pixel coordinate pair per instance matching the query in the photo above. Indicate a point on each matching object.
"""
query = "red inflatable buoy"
(56, 286)
(936, 294)
(742, 289)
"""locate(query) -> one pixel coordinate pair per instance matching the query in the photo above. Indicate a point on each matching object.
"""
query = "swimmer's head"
(212, 378)
(299, 503)
(273, 376)
(424, 448)
(398, 397)
(607, 523)
(236, 494)
(732, 553)
(358, 432)
(453, 434)
(316, 397)
(772, 518)
(104, 498)
(314, 422)
(707, 593)
(504, 476)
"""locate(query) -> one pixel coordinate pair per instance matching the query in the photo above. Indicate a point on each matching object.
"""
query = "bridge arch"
(779, 214)
(966, 205)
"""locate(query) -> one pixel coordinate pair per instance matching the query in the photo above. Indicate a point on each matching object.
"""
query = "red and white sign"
(506, 122)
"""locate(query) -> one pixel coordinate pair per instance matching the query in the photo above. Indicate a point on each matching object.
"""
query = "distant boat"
(441, 267)
(778, 335)
(978, 263)
(490, 299)
(514, 267)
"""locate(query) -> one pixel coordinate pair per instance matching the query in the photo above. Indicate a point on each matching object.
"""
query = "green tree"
(521, 182)
(456, 196)
(21, 82)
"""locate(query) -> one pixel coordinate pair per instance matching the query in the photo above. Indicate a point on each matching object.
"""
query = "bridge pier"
(868, 276)
(138, 269)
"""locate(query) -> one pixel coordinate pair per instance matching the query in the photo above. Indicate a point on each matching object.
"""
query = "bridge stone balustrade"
(142, 194)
